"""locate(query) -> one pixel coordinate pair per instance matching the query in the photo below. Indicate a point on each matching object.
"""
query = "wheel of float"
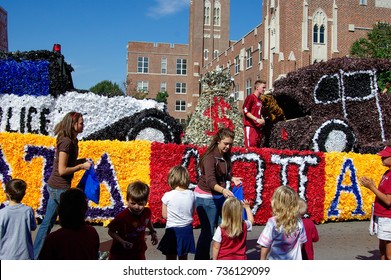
(154, 125)
(334, 136)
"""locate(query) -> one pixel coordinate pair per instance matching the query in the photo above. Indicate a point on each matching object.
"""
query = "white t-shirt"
(282, 246)
(180, 208)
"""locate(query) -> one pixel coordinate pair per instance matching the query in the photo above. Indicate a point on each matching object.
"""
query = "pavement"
(337, 241)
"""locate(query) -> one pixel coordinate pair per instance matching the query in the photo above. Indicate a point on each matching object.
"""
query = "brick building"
(291, 34)
(3, 30)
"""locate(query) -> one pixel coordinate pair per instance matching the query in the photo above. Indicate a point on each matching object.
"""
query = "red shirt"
(253, 105)
(312, 236)
(131, 228)
(71, 244)
(382, 210)
(233, 248)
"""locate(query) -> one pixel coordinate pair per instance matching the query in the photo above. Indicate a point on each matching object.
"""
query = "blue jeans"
(49, 219)
(209, 214)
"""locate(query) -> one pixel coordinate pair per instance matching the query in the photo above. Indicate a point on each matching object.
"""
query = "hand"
(246, 203)
(260, 122)
(86, 165)
(154, 238)
(237, 180)
(227, 193)
(367, 182)
(127, 245)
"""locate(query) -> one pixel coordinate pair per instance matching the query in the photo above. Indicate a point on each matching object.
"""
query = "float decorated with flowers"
(328, 181)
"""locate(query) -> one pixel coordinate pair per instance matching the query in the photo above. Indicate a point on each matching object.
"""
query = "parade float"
(36, 91)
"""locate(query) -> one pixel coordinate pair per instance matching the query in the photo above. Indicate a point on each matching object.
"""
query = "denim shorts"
(384, 228)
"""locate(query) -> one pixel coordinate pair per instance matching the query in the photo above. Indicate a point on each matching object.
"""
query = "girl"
(212, 188)
(284, 233)
(230, 237)
(382, 208)
(178, 209)
(65, 165)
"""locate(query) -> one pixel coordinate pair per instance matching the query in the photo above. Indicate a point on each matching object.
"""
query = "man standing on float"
(252, 117)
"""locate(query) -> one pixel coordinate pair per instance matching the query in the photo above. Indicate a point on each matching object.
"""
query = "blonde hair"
(303, 207)
(178, 176)
(232, 217)
(285, 206)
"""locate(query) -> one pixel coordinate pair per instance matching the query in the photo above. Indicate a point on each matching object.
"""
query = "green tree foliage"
(377, 45)
(107, 88)
(162, 96)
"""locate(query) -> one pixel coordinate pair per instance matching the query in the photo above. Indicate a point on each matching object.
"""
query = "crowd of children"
(287, 234)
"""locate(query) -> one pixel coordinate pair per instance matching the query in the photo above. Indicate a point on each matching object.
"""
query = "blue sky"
(94, 33)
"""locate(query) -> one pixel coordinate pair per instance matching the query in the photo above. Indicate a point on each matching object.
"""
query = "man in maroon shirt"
(252, 117)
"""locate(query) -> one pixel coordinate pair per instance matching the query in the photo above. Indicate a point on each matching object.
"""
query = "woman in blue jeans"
(213, 188)
(65, 165)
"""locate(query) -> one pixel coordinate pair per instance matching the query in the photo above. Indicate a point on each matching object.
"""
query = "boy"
(128, 227)
(307, 250)
(16, 223)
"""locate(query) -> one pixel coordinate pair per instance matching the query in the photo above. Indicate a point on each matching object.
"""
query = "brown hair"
(220, 135)
(16, 189)
(72, 208)
(138, 192)
(65, 127)
(178, 176)
(258, 82)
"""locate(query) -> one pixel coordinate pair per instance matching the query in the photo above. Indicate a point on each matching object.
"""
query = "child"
(178, 208)
(229, 240)
(284, 233)
(16, 223)
(75, 240)
(128, 227)
(310, 230)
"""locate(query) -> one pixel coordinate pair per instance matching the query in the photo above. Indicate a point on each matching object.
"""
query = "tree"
(107, 88)
(132, 90)
(377, 45)
(162, 96)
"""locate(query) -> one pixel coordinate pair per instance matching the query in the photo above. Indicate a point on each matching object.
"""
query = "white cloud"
(167, 7)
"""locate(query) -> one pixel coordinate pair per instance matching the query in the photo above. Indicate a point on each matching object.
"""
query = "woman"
(382, 207)
(65, 165)
(213, 188)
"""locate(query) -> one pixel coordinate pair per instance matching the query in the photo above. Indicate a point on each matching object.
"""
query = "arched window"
(207, 13)
(319, 27)
(216, 13)
(206, 54)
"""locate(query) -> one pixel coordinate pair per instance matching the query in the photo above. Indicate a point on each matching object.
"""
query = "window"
(182, 121)
(207, 13)
(181, 66)
(236, 92)
(248, 87)
(206, 54)
(216, 13)
(237, 65)
(180, 88)
(142, 64)
(180, 105)
(249, 58)
(163, 86)
(363, 2)
(260, 50)
(142, 86)
(215, 54)
(321, 34)
(315, 33)
(164, 65)
(319, 31)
